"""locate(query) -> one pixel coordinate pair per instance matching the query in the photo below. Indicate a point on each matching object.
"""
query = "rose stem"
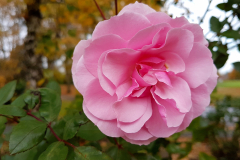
(116, 7)
(55, 135)
(99, 9)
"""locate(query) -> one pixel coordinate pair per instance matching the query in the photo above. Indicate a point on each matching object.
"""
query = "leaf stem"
(99, 9)
(118, 145)
(205, 12)
(116, 7)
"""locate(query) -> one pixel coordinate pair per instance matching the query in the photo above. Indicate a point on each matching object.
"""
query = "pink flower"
(144, 75)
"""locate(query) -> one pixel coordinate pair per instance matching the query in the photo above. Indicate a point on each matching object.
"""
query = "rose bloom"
(144, 75)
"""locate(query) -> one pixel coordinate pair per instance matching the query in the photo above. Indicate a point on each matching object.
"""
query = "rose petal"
(81, 77)
(135, 126)
(140, 8)
(197, 66)
(96, 49)
(142, 134)
(179, 92)
(126, 88)
(99, 102)
(125, 25)
(163, 77)
(119, 65)
(130, 109)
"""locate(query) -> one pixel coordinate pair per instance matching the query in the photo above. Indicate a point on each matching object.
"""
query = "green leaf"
(142, 156)
(3, 120)
(31, 100)
(7, 91)
(204, 156)
(7, 157)
(216, 26)
(131, 147)
(26, 135)
(28, 155)
(175, 148)
(225, 6)
(88, 153)
(19, 102)
(231, 34)
(10, 110)
(69, 53)
(237, 66)
(58, 128)
(220, 60)
(72, 125)
(118, 154)
(1, 142)
(56, 151)
(50, 104)
(90, 132)
(54, 86)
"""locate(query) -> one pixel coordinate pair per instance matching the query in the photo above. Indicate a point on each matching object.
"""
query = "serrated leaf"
(118, 154)
(72, 126)
(3, 120)
(231, 34)
(10, 110)
(28, 155)
(215, 25)
(237, 66)
(7, 91)
(88, 153)
(54, 86)
(90, 132)
(26, 135)
(31, 100)
(56, 151)
(50, 104)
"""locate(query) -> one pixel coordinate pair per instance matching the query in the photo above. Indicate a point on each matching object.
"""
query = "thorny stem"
(205, 12)
(53, 132)
(116, 7)
(99, 9)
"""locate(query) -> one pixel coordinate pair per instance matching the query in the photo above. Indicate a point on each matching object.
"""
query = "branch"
(205, 12)
(116, 7)
(118, 145)
(99, 9)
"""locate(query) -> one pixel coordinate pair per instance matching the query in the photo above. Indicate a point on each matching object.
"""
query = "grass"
(230, 83)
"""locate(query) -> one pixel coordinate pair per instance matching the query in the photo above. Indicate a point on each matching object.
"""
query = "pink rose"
(144, 75)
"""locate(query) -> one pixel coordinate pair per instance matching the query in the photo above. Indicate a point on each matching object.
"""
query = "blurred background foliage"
(37, 39)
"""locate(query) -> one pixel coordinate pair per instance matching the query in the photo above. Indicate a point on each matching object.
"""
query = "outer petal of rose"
(139, 142)
(197, 32)
(130, 109)
(135, 126)
(107, 127)
(125, 25)
(105, 83)
(126, 88)
(142, 134)
(179, 92)
(97, 47)
(119, 65)
(99, 102)
(145, 36)
(198, 65)
(179, 41)
(78, 52)
(160, 17)
(156, 125)
(186, 121)
(140, 8)
(82, 78)
(212, 81)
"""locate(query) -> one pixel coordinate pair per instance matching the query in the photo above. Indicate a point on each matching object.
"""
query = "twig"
(205, 12)
(118, 145)
(116, 7)
(51, 129)
(99, 9)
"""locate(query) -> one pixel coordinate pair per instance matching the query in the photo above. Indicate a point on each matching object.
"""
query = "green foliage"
(56, 151)
(118, 154)
(237, 66)
(204, 156)
(90, 132)
(54, 86)
(50, 104)
(7, 92)
(32, 99)
(26, 135)
(10, 110)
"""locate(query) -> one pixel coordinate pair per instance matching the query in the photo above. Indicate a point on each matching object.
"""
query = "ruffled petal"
(140, 8)
(125, 25)
(140, 142)
(81, 77)
(142, 134)
(99, 102)
(130, 109)
(96, 49)
(197, 66)
(126, 88)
